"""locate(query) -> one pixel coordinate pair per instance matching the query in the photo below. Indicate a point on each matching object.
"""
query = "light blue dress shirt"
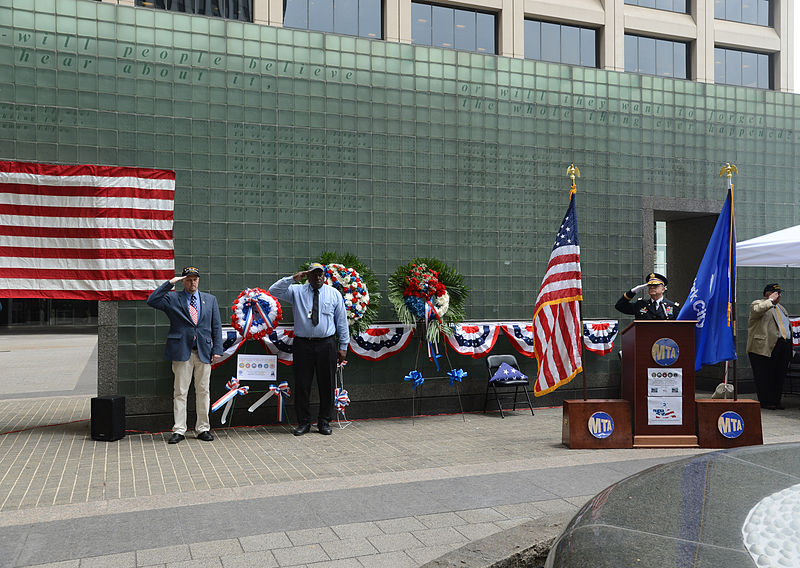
(332, 313)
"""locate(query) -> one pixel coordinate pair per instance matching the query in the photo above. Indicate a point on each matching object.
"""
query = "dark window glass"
(588, 48)
(551, 46)
(533, 39)
(661, 57)
(485, 33)
(548, 41)
(443, 27)
(295, 14)
(756, 12)
(453, 28)
(647, 55)
(347, 17)
(631, 54)
(743, 68)
(465, 37)
(228, 9)
(320, 15)
(680, 6)
(421, 26)
(344, 22)
(570, 45)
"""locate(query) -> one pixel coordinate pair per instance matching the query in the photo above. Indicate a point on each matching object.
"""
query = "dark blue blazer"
(182, 330)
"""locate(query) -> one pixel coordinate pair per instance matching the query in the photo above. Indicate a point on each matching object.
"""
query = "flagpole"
(728, 170)
(573, 172)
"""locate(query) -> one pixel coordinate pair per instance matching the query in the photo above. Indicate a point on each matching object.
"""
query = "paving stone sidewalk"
(388, 493)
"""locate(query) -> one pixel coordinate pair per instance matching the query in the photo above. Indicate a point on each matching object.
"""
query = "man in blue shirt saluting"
(319, 317)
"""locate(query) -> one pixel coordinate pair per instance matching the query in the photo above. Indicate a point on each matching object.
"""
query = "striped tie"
(193, 310)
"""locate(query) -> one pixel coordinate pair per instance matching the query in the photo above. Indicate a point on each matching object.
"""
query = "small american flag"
(84, 232)
(557, 328)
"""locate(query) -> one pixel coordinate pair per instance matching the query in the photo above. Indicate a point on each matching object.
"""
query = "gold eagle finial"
(573, 172)
(728, 169)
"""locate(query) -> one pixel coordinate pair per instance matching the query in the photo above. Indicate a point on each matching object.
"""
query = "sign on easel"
(257, 367)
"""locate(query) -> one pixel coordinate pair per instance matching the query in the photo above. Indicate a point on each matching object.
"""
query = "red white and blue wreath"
(358, 286)
(256, 313)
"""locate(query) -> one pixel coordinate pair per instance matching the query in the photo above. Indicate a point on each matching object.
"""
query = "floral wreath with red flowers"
(357, 285)
(428, 283)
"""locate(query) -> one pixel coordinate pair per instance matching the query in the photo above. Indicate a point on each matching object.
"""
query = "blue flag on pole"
(710, 301)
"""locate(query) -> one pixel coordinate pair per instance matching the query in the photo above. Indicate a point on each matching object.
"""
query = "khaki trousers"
(183, 371)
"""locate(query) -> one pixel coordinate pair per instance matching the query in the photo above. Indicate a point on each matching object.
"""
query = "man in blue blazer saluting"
(194, 342)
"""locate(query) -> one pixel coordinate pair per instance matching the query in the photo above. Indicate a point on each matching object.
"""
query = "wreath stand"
(422, 345)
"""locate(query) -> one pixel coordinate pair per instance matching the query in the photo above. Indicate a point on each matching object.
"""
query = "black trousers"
(769, 373)
(314, 357)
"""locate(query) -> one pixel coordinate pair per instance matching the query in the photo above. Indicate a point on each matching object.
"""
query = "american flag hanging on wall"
(84, 232)
(557, 327)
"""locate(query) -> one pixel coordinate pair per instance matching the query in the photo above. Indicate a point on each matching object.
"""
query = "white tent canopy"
(781, 248)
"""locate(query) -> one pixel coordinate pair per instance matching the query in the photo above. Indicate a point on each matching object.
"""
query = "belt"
(314, 338)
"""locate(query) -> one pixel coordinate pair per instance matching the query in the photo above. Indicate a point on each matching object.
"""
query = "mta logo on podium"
(730, 424)
(601, 425)
(665, 351)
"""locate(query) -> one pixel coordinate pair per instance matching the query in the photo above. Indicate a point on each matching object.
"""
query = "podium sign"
(658, 380)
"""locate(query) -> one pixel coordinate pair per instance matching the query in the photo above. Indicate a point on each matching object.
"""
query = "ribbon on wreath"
(282, 391)
(598, 336)
(433, 349)
(341, 399)
(227, 399)
(456, 376)
(415, 378)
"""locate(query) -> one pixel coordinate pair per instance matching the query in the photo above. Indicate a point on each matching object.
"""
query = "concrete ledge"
(526, 545)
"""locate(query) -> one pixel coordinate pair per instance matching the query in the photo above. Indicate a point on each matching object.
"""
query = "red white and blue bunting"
(279, 343)
(231, 341)
(521, 336)
(381, 341)
(473, 340)
(795, 331)
(599, 335)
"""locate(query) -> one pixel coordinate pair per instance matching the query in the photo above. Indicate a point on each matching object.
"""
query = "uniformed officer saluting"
(656, 307)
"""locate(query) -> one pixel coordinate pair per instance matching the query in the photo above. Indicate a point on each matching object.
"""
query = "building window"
(229, 9)
(680, 6)
(361, 18)
(742, 68)
(560, 43)
(453, 28)
(651, 56)
(660, 264)
(758, 12)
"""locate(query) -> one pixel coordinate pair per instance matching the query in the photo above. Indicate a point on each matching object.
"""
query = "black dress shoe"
(175, 438)
(206, 436)
(302, 429)
(324, 427)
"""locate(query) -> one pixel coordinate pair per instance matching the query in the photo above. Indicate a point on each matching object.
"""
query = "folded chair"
(493, 362)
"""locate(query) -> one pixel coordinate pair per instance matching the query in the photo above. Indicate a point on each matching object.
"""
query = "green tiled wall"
(288, 143)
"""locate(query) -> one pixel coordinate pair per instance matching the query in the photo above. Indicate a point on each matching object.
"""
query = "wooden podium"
(658, 380)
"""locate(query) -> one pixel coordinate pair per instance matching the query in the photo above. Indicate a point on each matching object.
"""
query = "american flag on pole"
(557, 327)
(84, 232)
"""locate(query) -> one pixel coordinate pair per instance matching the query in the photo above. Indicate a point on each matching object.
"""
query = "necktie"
(315, 308)
(193, 310)
(779, 318)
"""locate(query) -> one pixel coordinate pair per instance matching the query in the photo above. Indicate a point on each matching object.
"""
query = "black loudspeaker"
(108, 418)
